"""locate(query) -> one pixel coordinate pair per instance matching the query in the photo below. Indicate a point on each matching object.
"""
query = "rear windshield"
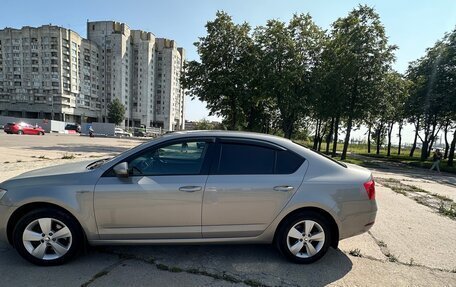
(324, 155)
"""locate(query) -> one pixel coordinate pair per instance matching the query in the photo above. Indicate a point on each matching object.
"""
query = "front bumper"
(5, 214)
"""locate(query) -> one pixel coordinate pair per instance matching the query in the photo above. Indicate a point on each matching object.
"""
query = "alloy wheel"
(305, 239)
(47, 238)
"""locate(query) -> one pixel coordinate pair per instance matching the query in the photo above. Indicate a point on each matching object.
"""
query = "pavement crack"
(104, 272)
(393, 259)
(223, 276)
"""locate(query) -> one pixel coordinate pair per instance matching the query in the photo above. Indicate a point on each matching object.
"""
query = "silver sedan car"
(186, 188)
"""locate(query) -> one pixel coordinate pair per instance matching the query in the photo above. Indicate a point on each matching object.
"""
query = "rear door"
(249, 185)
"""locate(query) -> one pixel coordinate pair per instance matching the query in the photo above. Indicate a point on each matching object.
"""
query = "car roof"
(221, 133)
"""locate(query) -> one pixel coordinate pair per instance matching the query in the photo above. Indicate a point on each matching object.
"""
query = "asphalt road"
(410, 244)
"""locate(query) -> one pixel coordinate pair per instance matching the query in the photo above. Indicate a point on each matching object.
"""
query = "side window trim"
(217, 153)
(208, 155)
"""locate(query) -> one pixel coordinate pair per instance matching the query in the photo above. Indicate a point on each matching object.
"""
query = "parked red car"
(23, 129)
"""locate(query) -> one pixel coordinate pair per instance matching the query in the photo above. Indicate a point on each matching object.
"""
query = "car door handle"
(283, 188)
(190, 188)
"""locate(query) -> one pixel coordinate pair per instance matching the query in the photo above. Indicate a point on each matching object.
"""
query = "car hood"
(69, 168)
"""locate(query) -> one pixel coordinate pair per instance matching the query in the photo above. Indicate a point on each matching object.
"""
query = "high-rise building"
(142, 71)
(48, 72)
(52, 72)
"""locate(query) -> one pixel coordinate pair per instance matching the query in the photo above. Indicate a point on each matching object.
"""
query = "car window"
(246, 159)
(184, 158)
(287, 162)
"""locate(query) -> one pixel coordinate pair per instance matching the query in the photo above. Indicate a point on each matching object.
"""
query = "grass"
(404, 157)
(448, 211)
(443, 205)
(68, 156)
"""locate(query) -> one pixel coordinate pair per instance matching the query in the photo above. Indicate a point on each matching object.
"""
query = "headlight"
(2, 193)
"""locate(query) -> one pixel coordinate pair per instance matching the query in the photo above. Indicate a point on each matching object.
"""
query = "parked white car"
(121, 133)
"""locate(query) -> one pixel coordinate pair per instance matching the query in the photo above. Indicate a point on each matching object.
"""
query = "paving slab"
(414, 232)
(137, 273)
(366, 245)
(15, 271)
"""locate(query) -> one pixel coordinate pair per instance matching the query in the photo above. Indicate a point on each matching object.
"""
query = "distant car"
(118, 132)
(190, 187)
(73, 127)
(23, 129)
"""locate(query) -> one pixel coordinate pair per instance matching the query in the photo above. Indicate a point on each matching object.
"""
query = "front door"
(161, 198)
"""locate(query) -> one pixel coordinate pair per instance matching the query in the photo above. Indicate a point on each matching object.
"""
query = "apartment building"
(51, 72)
(143, 72)
(48, 72)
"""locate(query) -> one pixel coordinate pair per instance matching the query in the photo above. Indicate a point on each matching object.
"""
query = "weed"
(68, 156)
(448, 211)
(253, 283)
(381, 243)
(411, 262)
(162, 267)
(392, 258)
(355, 252)
(18, 160)
(6, 162)
(175, 269)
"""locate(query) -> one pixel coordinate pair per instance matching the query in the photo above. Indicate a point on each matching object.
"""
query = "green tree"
(221, 78)
(116, 112)
(428, 95)
(363, 57)
(289, 55)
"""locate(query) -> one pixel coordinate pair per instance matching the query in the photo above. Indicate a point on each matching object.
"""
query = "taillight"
(370, 189)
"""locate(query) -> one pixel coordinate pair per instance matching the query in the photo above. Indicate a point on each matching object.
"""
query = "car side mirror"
(121, 169)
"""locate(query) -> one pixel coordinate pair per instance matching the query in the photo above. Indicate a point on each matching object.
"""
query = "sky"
(411, 25)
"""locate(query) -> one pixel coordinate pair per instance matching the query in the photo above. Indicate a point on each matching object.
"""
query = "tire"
(292, 236)
(41, 228)
(41, 133)
(20, 132)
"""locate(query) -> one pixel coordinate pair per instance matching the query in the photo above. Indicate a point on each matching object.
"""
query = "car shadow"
(260, 263)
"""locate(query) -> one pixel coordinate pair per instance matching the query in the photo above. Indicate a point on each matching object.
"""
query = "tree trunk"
(329, 137)
(369, 139)
(336, 131)
(417, 130)
(425, 141)
(317, 134)
(379, 135)
(390, 130)
(451, 155)
(447, 145)
(431, 140)
(287, 127)
(347, 138)
(400, 139)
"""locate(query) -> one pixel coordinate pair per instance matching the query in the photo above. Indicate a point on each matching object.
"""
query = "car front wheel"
(47, 237)
(304, 237)
(20, 132)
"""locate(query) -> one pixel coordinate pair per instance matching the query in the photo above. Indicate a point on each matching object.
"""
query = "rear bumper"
(358, 223)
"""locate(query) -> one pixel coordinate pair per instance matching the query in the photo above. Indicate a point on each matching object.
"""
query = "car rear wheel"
(20, 132)
(47, 237)
(41, 133)
(304, 237)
